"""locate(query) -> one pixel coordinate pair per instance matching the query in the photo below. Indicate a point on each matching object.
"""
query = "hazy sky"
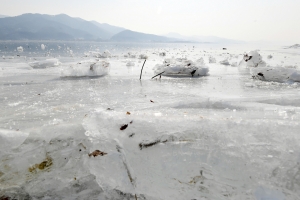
(248, 20)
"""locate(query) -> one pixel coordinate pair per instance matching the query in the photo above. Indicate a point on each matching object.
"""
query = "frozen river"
(221, 136)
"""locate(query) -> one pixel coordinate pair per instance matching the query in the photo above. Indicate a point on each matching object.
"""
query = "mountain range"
(202, 39)
(63, 27)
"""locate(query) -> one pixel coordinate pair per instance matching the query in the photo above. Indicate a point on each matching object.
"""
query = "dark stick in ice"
(157, 75)
(142, 70)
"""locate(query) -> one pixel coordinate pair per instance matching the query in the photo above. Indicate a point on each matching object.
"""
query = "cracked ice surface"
(222, 136)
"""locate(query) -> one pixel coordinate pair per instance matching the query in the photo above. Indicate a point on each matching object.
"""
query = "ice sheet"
(222, 136)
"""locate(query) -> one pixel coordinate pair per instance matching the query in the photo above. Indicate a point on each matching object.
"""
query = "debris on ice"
(129, 55)
(143, 56)
(162, 54)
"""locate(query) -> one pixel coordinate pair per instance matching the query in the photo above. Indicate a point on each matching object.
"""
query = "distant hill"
(204, 39)
(50, 27)
(63, 27)
(109, 28)
(80, 24)
(132, 36)
(295, 46)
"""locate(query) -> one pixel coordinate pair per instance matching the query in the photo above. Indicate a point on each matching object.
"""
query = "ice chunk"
(130, 55)
(162, 54)
(130, 63)
(43, 46)
(106, 54)
(96, 54)
(8, 57)
(225, 62)
(277, 74)
(253, 59)
(20, 49)
(212, 60)
(45, 63)
(87, 68)
(181, 67)
(295, 76)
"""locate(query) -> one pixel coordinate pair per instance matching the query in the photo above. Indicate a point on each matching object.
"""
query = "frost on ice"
(181, 66)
